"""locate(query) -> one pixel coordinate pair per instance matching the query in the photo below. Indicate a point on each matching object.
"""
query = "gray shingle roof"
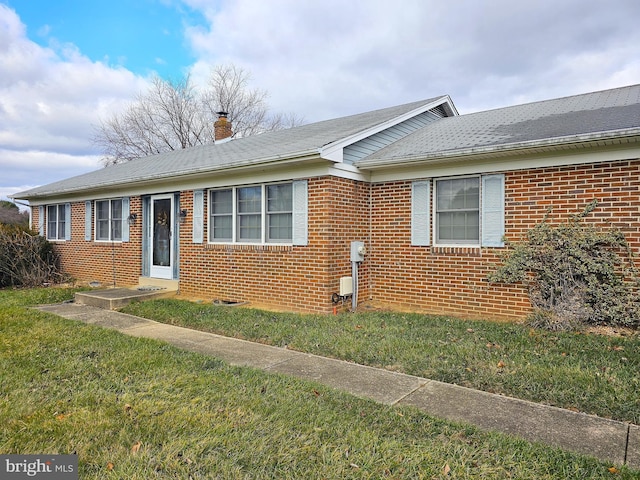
(550, 122)
(266, 147)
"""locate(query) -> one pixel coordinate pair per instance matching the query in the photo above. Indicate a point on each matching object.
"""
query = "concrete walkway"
(608, 440)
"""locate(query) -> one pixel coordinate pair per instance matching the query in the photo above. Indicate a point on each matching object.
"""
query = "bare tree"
(167, 117)
(229, 92)
(10, 214)
(174, 115)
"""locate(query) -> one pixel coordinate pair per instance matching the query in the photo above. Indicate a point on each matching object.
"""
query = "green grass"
(135, 408)
(591, 373)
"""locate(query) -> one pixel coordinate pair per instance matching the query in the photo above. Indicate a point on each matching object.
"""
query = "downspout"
(358, 251)
(354, 283)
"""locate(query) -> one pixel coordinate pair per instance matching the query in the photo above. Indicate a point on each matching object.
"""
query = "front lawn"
(134, 408)
(591, 373)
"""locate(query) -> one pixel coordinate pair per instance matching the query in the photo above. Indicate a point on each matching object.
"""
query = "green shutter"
(420, 214)
(41, 210)
(87, 221)
(125, 219)
(493, 210)
(300, 213)
(198, 216)
(67, 221)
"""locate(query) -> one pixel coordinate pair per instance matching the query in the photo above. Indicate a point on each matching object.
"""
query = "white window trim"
(95, 221)
(234, 216)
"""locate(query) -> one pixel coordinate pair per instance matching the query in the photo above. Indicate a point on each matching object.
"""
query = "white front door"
(161, 250)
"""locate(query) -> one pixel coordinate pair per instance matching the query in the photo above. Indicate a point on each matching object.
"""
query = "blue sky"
(143, 36)
(65, 65)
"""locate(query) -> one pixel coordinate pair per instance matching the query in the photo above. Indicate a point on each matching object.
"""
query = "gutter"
(632, 134)
(151, 179)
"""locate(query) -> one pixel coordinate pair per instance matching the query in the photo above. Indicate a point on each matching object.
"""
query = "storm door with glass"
(161, 251)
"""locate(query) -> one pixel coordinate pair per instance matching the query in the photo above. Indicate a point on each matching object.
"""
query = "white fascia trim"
(476, 166)
(334, 151)
(163, 183)
(567, 142)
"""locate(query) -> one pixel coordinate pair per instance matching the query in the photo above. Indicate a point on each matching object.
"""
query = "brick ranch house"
(270, 219)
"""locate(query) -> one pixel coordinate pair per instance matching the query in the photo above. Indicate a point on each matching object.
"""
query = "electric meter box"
(358, 251)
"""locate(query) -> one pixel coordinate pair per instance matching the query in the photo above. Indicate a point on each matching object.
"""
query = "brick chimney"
(222, 128)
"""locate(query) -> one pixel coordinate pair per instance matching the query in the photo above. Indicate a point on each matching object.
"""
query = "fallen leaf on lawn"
(470, 330)
(353, 465)
(316, 392)
(614, 470)
(501, 364)
(618, 348)
(110, 466)
(358, 327)
(136, 447)
(446, 469)
(62, 416)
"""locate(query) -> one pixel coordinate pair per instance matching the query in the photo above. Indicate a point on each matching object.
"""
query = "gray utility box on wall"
(358, 251)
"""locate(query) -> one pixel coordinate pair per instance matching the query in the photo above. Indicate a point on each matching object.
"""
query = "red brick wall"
(109, 263)
(300, 278)
(453, 280)
(440, 280)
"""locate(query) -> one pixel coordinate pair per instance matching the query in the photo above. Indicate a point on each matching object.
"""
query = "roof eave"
(293, 159)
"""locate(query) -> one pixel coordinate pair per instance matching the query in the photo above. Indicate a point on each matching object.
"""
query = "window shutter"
(41, 221)
(125, 219)
(300, 213)
(493, 210)
(87, 221)
(420, 232)
(198, 216)
(67, 221)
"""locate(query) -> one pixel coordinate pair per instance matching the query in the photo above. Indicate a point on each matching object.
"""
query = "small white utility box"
(346, 286)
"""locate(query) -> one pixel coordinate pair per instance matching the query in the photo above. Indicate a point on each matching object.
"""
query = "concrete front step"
(114, 298)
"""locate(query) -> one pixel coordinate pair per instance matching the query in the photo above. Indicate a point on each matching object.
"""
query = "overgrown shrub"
(26, 259)
(575, 273)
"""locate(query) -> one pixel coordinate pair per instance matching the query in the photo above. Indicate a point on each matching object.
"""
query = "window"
(57, 218)
(458, 211)
(222, 215)
(467, 211)
(279, 212)
(254, 214)
(249, 214)
(109, 225)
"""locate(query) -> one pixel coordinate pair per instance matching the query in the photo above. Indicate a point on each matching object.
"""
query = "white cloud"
(322, 59)
(50, 100)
